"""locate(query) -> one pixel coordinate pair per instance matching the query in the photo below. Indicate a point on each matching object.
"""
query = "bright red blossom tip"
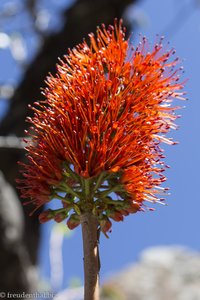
(99, 130)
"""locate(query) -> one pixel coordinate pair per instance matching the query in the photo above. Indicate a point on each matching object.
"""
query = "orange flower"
(98, 132)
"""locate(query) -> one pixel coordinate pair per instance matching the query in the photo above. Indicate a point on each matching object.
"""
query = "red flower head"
(95, 140)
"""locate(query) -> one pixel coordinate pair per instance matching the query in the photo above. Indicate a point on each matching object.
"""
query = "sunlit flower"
(95, 140)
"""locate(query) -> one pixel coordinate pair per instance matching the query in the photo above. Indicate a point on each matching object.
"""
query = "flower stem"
(91, 256)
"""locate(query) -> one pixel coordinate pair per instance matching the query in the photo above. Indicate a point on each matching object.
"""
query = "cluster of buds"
(95, 194)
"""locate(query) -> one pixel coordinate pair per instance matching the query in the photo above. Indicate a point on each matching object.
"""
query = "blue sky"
(179, 222)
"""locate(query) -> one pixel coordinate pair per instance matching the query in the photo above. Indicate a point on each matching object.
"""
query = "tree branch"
(91, 256)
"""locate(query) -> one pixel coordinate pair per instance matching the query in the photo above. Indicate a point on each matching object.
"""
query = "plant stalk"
(91, 256)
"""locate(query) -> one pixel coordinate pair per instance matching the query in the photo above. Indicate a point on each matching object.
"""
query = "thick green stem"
(91, 256)
(116, 188)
